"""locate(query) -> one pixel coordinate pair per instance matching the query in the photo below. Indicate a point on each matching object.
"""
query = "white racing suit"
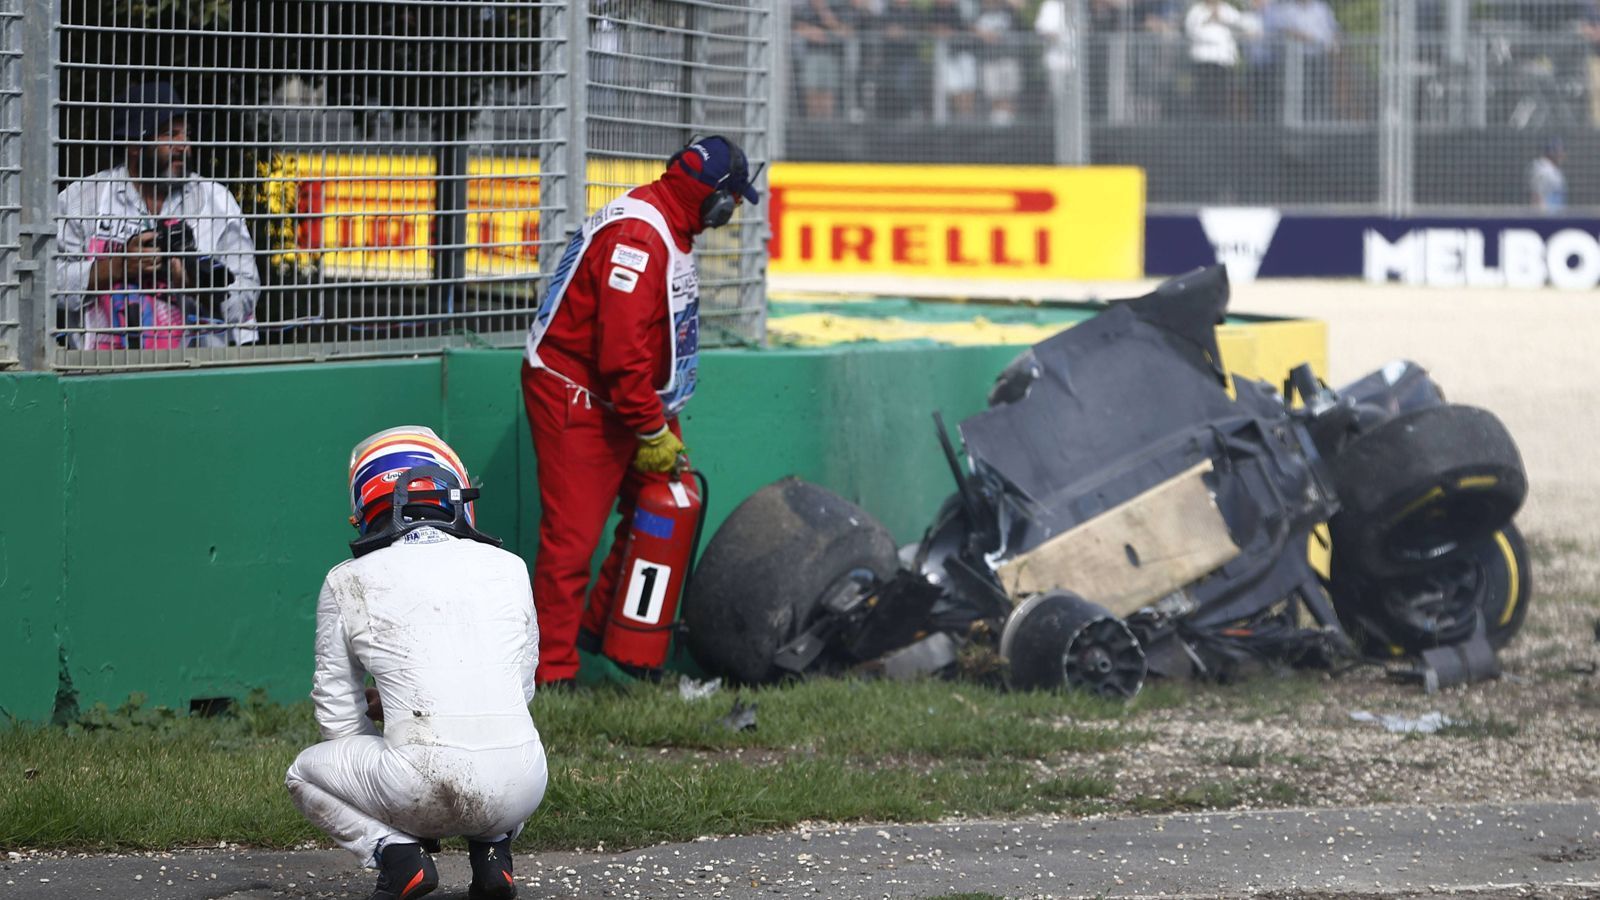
(446, 628)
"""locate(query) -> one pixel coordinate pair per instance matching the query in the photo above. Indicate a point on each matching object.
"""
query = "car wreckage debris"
(1058, 639)
(1127, 509)
(742, 717)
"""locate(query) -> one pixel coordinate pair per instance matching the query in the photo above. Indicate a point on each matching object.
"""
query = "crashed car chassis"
(1123, 513)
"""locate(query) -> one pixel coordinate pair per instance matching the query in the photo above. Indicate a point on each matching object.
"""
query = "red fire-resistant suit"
(606, 353)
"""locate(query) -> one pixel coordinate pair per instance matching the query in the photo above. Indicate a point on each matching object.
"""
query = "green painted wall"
(30, 543)
(174, 527)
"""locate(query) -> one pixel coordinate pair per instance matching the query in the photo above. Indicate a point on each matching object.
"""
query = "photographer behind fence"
(147, 251)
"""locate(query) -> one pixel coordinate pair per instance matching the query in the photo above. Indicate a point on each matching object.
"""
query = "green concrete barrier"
(170, 530)
(31, 538)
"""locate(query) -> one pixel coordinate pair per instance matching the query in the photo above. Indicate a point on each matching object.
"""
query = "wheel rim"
(1440, 605)
(1104, 658)
(1440, 523)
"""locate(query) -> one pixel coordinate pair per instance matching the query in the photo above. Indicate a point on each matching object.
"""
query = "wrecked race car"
(1127, 510)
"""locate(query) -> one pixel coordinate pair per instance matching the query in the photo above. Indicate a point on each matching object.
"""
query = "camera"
(205, 277)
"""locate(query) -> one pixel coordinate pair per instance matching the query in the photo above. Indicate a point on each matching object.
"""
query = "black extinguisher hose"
(699, 530)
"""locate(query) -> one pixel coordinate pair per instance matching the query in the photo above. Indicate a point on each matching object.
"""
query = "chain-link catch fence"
(239, 182)
(1397, 107)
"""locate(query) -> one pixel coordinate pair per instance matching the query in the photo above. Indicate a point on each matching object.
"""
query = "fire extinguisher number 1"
(647, 591)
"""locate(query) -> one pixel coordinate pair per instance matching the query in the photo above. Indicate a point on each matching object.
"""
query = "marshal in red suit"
(612, 357)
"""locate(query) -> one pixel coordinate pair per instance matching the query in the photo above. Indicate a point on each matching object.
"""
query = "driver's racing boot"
(405, 872)
(491, 870)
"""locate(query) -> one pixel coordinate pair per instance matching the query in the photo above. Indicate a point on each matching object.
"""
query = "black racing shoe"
(405, 872)
(491, 871)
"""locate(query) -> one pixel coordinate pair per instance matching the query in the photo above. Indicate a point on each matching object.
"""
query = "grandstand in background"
(1419, 106)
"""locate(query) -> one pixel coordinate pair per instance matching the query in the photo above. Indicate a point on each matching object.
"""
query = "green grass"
(628, 766)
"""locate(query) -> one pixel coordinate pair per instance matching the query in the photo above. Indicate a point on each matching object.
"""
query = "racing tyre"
(1058, 639)
(1423, 486)
(771, 562)
(1409, 614)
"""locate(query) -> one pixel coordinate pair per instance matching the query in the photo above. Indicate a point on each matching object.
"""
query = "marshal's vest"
(683, 297)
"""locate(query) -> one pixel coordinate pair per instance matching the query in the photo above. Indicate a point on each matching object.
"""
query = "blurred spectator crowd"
(977, 60)
(995, 61)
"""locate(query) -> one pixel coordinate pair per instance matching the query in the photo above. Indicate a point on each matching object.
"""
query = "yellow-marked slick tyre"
(1423, 486)
(760, 581)
(1402, 616)
(1505, 604)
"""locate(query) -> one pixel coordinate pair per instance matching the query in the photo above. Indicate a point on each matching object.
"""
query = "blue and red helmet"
(378, 462)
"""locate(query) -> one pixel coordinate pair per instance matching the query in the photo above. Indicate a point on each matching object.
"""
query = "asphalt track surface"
(1520, 850)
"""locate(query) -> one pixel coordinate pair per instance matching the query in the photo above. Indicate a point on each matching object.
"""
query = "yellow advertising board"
(1022, 222)
(370, 216)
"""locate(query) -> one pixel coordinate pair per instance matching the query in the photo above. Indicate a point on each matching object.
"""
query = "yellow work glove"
(658, 452)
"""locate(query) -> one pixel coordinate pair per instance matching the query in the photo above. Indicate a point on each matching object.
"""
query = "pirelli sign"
(1023, 222)
(371, 216)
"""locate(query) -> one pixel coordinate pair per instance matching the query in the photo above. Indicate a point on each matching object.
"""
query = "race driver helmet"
(412, 464)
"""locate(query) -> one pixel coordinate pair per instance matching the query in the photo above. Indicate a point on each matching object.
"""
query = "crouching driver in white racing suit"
(443, 621)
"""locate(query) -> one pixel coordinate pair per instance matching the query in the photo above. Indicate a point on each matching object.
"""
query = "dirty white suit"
(446, 628)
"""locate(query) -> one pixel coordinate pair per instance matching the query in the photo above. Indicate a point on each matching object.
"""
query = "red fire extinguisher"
(662, 539)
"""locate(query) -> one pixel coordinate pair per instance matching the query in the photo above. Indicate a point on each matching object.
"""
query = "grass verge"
(629, 766)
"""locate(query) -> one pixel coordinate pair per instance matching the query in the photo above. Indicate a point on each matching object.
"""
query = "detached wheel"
(1058, 639)
(760, 580)
(1406, 615)
(1422, 486)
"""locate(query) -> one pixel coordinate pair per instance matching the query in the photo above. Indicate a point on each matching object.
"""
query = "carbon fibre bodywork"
(1124, 435)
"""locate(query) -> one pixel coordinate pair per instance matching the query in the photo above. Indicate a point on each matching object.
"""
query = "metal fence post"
(1069, 86)
(1397, 116)
(1294, 87)
(1406, 15)
(1388, 107)
(778, 81)
(1061, 53)
(11, 173)
(577, 155)
(756, 231)
(941, 99)
(40, 50)
(1116, 79)
(555, 132)
(1478, 85)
